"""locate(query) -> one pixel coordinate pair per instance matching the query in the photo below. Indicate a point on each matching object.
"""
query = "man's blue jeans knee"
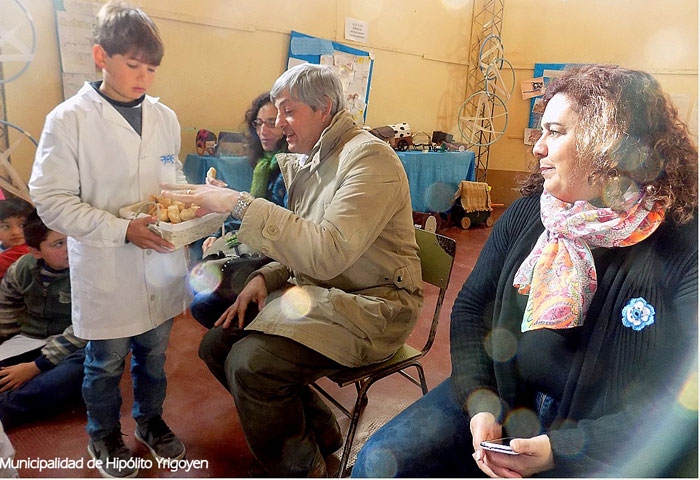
(104, 366)
(431, 438)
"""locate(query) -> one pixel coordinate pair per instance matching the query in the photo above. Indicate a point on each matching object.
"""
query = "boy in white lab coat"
(109, 146)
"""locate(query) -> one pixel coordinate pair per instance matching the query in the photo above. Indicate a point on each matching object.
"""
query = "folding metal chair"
(437, 254)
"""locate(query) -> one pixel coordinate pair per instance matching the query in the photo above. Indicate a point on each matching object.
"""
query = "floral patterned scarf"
(559, 275)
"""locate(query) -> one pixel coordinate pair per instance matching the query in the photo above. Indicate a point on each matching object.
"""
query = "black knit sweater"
(619, 412)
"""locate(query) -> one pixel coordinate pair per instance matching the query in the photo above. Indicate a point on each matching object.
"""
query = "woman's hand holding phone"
(528, 456)
(499, 445)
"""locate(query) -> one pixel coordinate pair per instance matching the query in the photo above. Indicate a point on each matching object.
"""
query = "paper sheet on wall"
(79, 7)
(74, 24)
(72, 82)
(354, 74)
(75, 42)
(532, 87)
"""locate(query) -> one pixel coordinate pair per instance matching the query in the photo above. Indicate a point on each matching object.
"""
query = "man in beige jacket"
(344, 290)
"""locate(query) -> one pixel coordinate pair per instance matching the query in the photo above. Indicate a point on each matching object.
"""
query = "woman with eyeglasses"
(263, 141)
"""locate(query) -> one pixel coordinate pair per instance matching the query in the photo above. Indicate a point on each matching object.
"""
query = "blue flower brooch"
(638, 314)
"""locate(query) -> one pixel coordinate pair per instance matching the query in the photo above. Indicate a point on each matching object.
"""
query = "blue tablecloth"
(433, 177)
(235, 171)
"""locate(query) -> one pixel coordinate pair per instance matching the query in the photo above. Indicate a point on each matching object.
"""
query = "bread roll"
(188, 213)
(174, 214)
(172, 211)
(163, 213)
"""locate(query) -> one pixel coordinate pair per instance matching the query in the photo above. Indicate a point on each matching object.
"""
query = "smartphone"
(500, 445)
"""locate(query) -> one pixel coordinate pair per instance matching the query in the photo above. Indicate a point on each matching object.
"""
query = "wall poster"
(353, 65)
(534, 89)
(74, 23)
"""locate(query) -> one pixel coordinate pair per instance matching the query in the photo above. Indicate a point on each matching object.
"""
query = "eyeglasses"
(258, 123)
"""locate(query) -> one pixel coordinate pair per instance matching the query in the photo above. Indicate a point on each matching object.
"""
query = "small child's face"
(54, 251)
(11, 233)
(125, 78)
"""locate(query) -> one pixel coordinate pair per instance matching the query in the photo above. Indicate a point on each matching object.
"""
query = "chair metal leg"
(360, 405)
(437, 254)
(421, 375)
(330, 398)
(421, 383)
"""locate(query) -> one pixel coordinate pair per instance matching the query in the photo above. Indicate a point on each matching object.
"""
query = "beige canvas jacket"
(347, 278)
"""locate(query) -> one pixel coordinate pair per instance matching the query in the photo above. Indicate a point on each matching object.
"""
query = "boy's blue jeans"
(104, 366)
(431, 438)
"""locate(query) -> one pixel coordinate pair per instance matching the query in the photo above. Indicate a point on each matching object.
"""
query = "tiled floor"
(202, 413)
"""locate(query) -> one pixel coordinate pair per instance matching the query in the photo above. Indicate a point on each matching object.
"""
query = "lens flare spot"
(688, 396)
(483, 400)
(367, 10)
(667, 46)
(295, 303)
(381, 462)
(501, 345)
(205, 277)
(455, 4)
(439, 197)
(524, 421)
(161, 272)
(617, 189)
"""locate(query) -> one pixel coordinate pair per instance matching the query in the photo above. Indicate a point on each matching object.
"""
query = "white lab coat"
(89, 163)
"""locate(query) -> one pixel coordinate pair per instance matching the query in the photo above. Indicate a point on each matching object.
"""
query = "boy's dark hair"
(14, 207)
(123, 29)
(35, 231)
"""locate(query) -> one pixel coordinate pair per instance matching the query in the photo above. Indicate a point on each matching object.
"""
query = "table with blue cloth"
(236, 172)
(433, 177)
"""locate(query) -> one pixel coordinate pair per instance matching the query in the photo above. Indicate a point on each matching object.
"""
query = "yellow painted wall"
(660, 37)
(222, 53)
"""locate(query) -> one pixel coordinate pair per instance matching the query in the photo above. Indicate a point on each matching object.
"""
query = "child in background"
(13, 214)
(35, 302)
(110, 146)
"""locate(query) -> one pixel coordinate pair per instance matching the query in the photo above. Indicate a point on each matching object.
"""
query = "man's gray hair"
(313, 85)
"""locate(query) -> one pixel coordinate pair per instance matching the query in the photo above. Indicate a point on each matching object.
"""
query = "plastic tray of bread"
(177, 222)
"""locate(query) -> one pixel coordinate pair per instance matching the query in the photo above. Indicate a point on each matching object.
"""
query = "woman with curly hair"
(264, 140)
(576, 333)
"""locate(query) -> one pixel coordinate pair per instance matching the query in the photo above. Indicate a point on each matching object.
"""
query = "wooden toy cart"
(472, 205)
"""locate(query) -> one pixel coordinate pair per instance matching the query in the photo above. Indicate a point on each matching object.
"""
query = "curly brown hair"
(253, 145)
(629, 133)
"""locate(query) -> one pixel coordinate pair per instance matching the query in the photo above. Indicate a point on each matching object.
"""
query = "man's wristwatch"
(244, 199)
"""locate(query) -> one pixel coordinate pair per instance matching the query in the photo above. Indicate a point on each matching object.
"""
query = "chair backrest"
(437, 255)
